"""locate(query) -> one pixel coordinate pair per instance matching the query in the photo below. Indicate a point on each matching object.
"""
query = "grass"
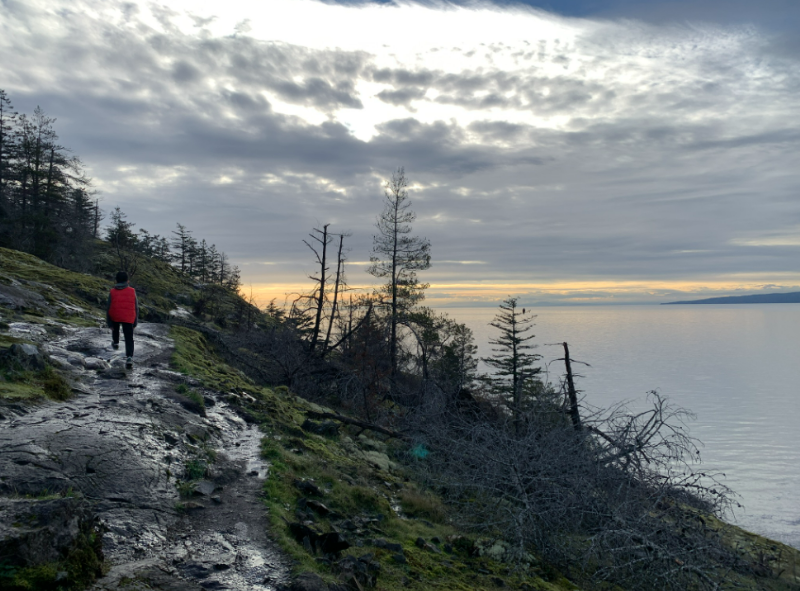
(20, 384)
(75, 572)
(351, 486)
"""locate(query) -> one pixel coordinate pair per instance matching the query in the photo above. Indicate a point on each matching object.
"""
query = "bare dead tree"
(628, 483)
(338, 288)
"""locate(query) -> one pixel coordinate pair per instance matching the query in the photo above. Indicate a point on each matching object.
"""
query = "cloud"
(551, 149)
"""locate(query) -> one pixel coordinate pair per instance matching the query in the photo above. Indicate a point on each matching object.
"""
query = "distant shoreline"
(767, 298)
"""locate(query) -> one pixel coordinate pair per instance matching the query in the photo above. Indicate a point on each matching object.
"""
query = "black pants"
(127, 331)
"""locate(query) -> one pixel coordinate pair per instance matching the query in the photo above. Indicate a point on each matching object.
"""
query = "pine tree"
(397, 257)
(514, 365)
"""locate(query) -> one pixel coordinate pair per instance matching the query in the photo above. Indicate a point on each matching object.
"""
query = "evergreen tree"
(397, 256)
(8, 150)
(513, 364)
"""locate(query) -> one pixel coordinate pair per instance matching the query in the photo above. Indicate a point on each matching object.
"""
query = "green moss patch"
(26, 385)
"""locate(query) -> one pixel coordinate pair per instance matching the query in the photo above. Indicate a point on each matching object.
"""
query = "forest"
(510, 454)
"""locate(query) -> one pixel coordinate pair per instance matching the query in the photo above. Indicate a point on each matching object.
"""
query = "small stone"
(204, 488)
(498, 582)
(216, 500)
(399, 558)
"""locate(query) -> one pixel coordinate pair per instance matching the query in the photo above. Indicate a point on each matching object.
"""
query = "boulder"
(95, 363)
(329, 428)
(308, 582)
(26, 355)
(35, 532)
(19, 298)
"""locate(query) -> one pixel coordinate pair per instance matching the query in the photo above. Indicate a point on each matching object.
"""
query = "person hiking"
(123, 310)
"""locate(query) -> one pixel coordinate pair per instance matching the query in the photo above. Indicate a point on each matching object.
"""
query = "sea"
(736, 367)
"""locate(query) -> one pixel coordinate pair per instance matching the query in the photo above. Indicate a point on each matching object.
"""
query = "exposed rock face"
(27, 356)
(120, 444)
(17, 297)
(37, 531)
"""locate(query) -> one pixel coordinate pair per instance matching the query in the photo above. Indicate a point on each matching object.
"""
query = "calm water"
(737, 367)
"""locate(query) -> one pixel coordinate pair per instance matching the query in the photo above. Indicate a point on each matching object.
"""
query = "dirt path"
(121, 442)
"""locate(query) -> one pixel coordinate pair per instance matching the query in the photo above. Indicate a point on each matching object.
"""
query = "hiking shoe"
(129, 363)
(114, 345)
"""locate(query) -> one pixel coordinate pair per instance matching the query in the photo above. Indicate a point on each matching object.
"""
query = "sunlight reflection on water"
(737, 367)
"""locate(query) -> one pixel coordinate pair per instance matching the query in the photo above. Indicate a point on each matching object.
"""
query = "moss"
(82, 565)
(194, 356)
(424, 505)
(20, 384)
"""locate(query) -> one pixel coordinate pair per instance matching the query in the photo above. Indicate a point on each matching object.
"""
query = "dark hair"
(122, 277)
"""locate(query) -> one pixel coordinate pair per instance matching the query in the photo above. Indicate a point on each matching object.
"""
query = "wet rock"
(113, 373)
(95, 363)
(26, 355)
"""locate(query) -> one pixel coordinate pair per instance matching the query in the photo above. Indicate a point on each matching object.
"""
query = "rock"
(28, 356)
(399, 558)
(363, 569)
(34, 532)
(307, 487)
(496, 550)
(391, 546)
(95, 363)
(332, 543)
(379, 460)
(113, 373)
(318, 507)
(498, 582)
(204, 488)
(308, 582)
(329, 428)
(19, 298)
(421, 543)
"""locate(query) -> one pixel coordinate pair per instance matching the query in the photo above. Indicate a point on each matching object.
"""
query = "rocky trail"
(172, 484)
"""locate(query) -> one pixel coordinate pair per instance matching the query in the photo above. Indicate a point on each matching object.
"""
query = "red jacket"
(123, 306)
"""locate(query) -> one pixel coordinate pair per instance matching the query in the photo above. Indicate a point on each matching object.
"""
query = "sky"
(574, 151)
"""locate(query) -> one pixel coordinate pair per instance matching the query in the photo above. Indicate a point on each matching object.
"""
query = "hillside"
(185, 473)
